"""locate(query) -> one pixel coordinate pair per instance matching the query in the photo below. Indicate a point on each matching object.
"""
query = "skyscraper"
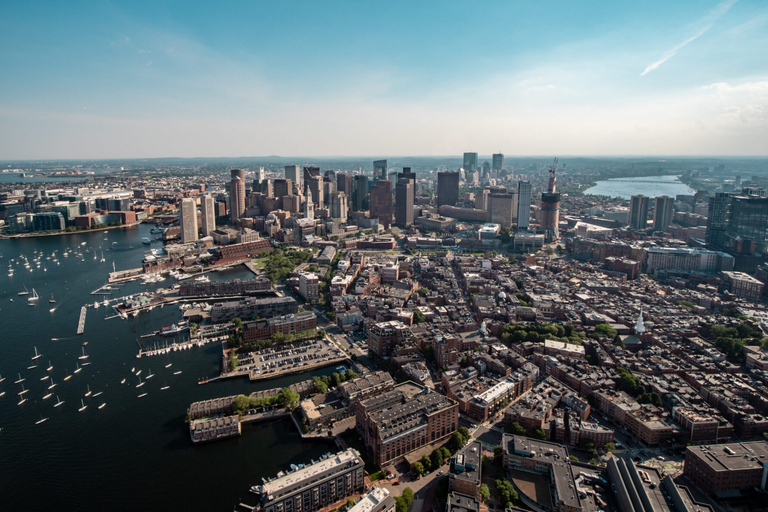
(309, 207)
(315, 184)
(663, 212)
(293, 173)
(360, 200)
(404, 198)
(523, 205)
(209, 217)
(339, 206)
(738, 225)
(344, 183)
(638, 212)
(470, 162)
(188, 220)
(381, 202)
(236, 195)
(498, 162)
(379, 170)
(447, 188)
(550, 207)
(502, 208)
(717, 219)
(282, 188)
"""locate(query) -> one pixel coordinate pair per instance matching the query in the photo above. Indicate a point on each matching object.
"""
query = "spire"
(639, 327)
(309, 207)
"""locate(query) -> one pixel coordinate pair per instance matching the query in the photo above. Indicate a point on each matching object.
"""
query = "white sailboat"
(49, 395)
(52, 383)
(52, 300)
(25, 292)
(140, 383)
(20, 379)
(102, 405)
(77, 368)
(41, 420)
(58, 401)
(36, 356)
(32, 300)
(84, 356)
(3, 378)
(88, 393)
(82, 406)
(150, 375)
(50, 367)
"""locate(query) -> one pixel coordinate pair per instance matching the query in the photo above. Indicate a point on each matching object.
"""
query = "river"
(650, 186)
(135, 453)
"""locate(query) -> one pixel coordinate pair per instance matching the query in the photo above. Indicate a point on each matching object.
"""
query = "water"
(650, 186)
(135, 453)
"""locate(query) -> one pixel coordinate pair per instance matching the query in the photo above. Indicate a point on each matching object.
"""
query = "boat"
(58, 401)
(102, 257)
(83, 406)
(133, 370)
(67, 377)
(88, 393)
(3, 378)
(164, 388)
(43, 377)
(122, 381)
(36, 356)
(146, 240)
(23, 391)
(83, 243)
(150, 375)
(86, 363)
(49, 395)
(176, 373)
(41, 420)
(20, 379)
(21, 401)
(97, 394)
(140, 383)
(25, 292)
(32, 367)
(2, 393)
(102, 405)
(52, 300)
(139, 372)
(143, 394)
(33, 298)
(50, 367)
(77, 368)
(96, 305)
(84, 356)
(52, 384)
(168, 365)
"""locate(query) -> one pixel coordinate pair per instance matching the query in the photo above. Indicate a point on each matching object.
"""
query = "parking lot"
(284, 357)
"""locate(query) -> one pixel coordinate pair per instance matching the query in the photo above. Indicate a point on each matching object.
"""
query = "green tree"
(507, 493)
(445, 452)
(320, 385)
(418, 317)
(498, 453)
(538, 433)
(573, 458)
(609, 447)
(604, 330)
(423, 292)
(516, 429)
(437, 458)
(289, 398)
(485, 494)
(330, 315)
(426, 462)
(418, 468)
(232, 361)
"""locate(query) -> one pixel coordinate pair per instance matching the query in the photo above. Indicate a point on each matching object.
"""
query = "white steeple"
(309, 207)
(639, 327)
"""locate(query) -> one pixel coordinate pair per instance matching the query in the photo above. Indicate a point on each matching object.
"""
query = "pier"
(81, 321)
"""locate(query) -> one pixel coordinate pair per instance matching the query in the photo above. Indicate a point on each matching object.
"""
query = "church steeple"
(639, 326)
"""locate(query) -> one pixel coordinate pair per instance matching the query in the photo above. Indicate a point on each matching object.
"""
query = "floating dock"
(81, 321)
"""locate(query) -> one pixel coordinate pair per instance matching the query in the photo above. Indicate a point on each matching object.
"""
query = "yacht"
(84, 356)
(50, 367)
(58, 401)
(49, 395)
(52, 300)
(88, 393)
(32, 300)
(23, 391)
(20, 379)
(21, 401)
(176, 373)
(67, 377)
(36, 356)
(150, 375)
(52, 384)
(164, 388)
(146, 240)
(97, 394)
(25, 292)
(82, 406)
(41, 420)
(77, 368)
(122, 381)
(3, 378)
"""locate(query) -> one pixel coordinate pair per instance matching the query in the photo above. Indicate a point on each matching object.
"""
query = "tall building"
(259, 177)
(209, 216)
(360, 200)
(407, 174)
(470, 163)
(664, 210)
(523, 205)
(381, 202)
(344, 183)
(281, 189)
(498, 162)
(309, 207)
(339, 206)
(638, 212)
(236, 195)
(404, 199)
(550, 208)
(502, 209)
(447, 188)
(188, 220)
(379, 170)
(310, 172)
(293, 173)
(315, 184)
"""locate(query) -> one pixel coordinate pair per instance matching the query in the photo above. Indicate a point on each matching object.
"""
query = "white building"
(188, 220)
(209, 217)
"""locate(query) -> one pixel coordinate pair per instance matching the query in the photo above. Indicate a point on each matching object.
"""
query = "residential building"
(209, 215)
(465, 473)
(376, 500)
(663, 212)
(309, 286)
(188, 220)
(638, 212)
(236, 195)
(286, 324)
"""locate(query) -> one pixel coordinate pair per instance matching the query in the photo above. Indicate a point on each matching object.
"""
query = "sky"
(141, 79)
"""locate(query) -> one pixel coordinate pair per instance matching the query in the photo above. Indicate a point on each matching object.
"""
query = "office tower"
(311, 172)
(339, 206)
(404, 198)
(209, 218)
(481, 199)
(282, 188)
(486, 170)
(717, 219)
(502, 208)
(329, 187)
(293, 173)
(360, 201)
(309, 207)
(381, 202)
(236, 195)
(638, 212)
(550, 208)
(329, 175)
(523, 205)
(188, 220)
(344, 183)
(258, 178)
(498, 162)
(315, 184)
(447, 188)
(663, 213)
(407, 174)
(379, 170)
(738, 225)
(470, 162)
(268, 188)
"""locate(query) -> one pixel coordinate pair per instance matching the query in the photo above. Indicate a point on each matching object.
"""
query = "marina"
(81, 320)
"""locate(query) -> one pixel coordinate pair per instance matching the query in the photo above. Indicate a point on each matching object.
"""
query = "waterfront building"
(313, 486)
(725, 470)
(213, 429)
(188, 220)
(404, 420)
(236, 195)
(379, 170)
(286, 324)
(367, 386)
(190, 287)
(447, 188)
(638, 212)
(235, 252)
(381, 202)
(293, 173)
(250, 308)
(377, 500)
(663, 212)
(470, 163)
(208, 214)
(49, 221)
(523, 205)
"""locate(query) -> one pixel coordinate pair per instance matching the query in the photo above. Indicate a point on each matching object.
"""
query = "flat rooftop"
(295, 479)
(733, 456)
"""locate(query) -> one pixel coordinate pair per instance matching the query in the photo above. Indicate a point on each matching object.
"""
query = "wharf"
(81, 321)
(124, 276)
(173, 347)
(255, 377)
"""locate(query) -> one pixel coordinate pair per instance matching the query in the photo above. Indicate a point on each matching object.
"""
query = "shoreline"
(59, 233)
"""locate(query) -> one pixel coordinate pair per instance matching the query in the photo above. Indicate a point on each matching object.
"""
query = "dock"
(81, 321)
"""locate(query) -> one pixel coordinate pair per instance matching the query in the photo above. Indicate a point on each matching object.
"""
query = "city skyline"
(150, 80)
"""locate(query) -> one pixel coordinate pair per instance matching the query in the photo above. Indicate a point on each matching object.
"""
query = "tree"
(609, 447)
(426, 462)
(437, 458)
(320, 385)
(605, 330)
(404, 502)
(498, 453)
(457, 441)
(418, 468)
(538, 433)
(330, 315)
(573, 458)
(485, 494)
(289, 398)
(445, 452)
(232, 361)
(418, 317)
(516, 429)
(238, 323)
(507, 493)
(423, 292)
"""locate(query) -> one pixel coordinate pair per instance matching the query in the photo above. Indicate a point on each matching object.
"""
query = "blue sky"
(157, 78)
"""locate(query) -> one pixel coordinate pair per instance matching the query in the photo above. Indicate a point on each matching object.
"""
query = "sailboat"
(102, 405)
(21, 401)
(32, 300)
(49, 395)
(77, 368)
(25, 292)
(23, 390)
(88, 393)
(164, 388)
(52, 384)
(67, 377)
(168, 365)
(140, 383)
(150, 375)
(3, 378)
(97, 394)
(84, 356)
(52, 300)
(41, 420)
(20, 379)
(83, 406)
(142, 395)
(36, 356)
(58, 401)
(50, 367)
(102, 257)
(122, 381)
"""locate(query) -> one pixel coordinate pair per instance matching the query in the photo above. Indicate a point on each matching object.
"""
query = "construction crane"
(552, 178)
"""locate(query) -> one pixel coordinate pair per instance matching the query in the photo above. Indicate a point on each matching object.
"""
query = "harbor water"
(650, 186)
(134, 453)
